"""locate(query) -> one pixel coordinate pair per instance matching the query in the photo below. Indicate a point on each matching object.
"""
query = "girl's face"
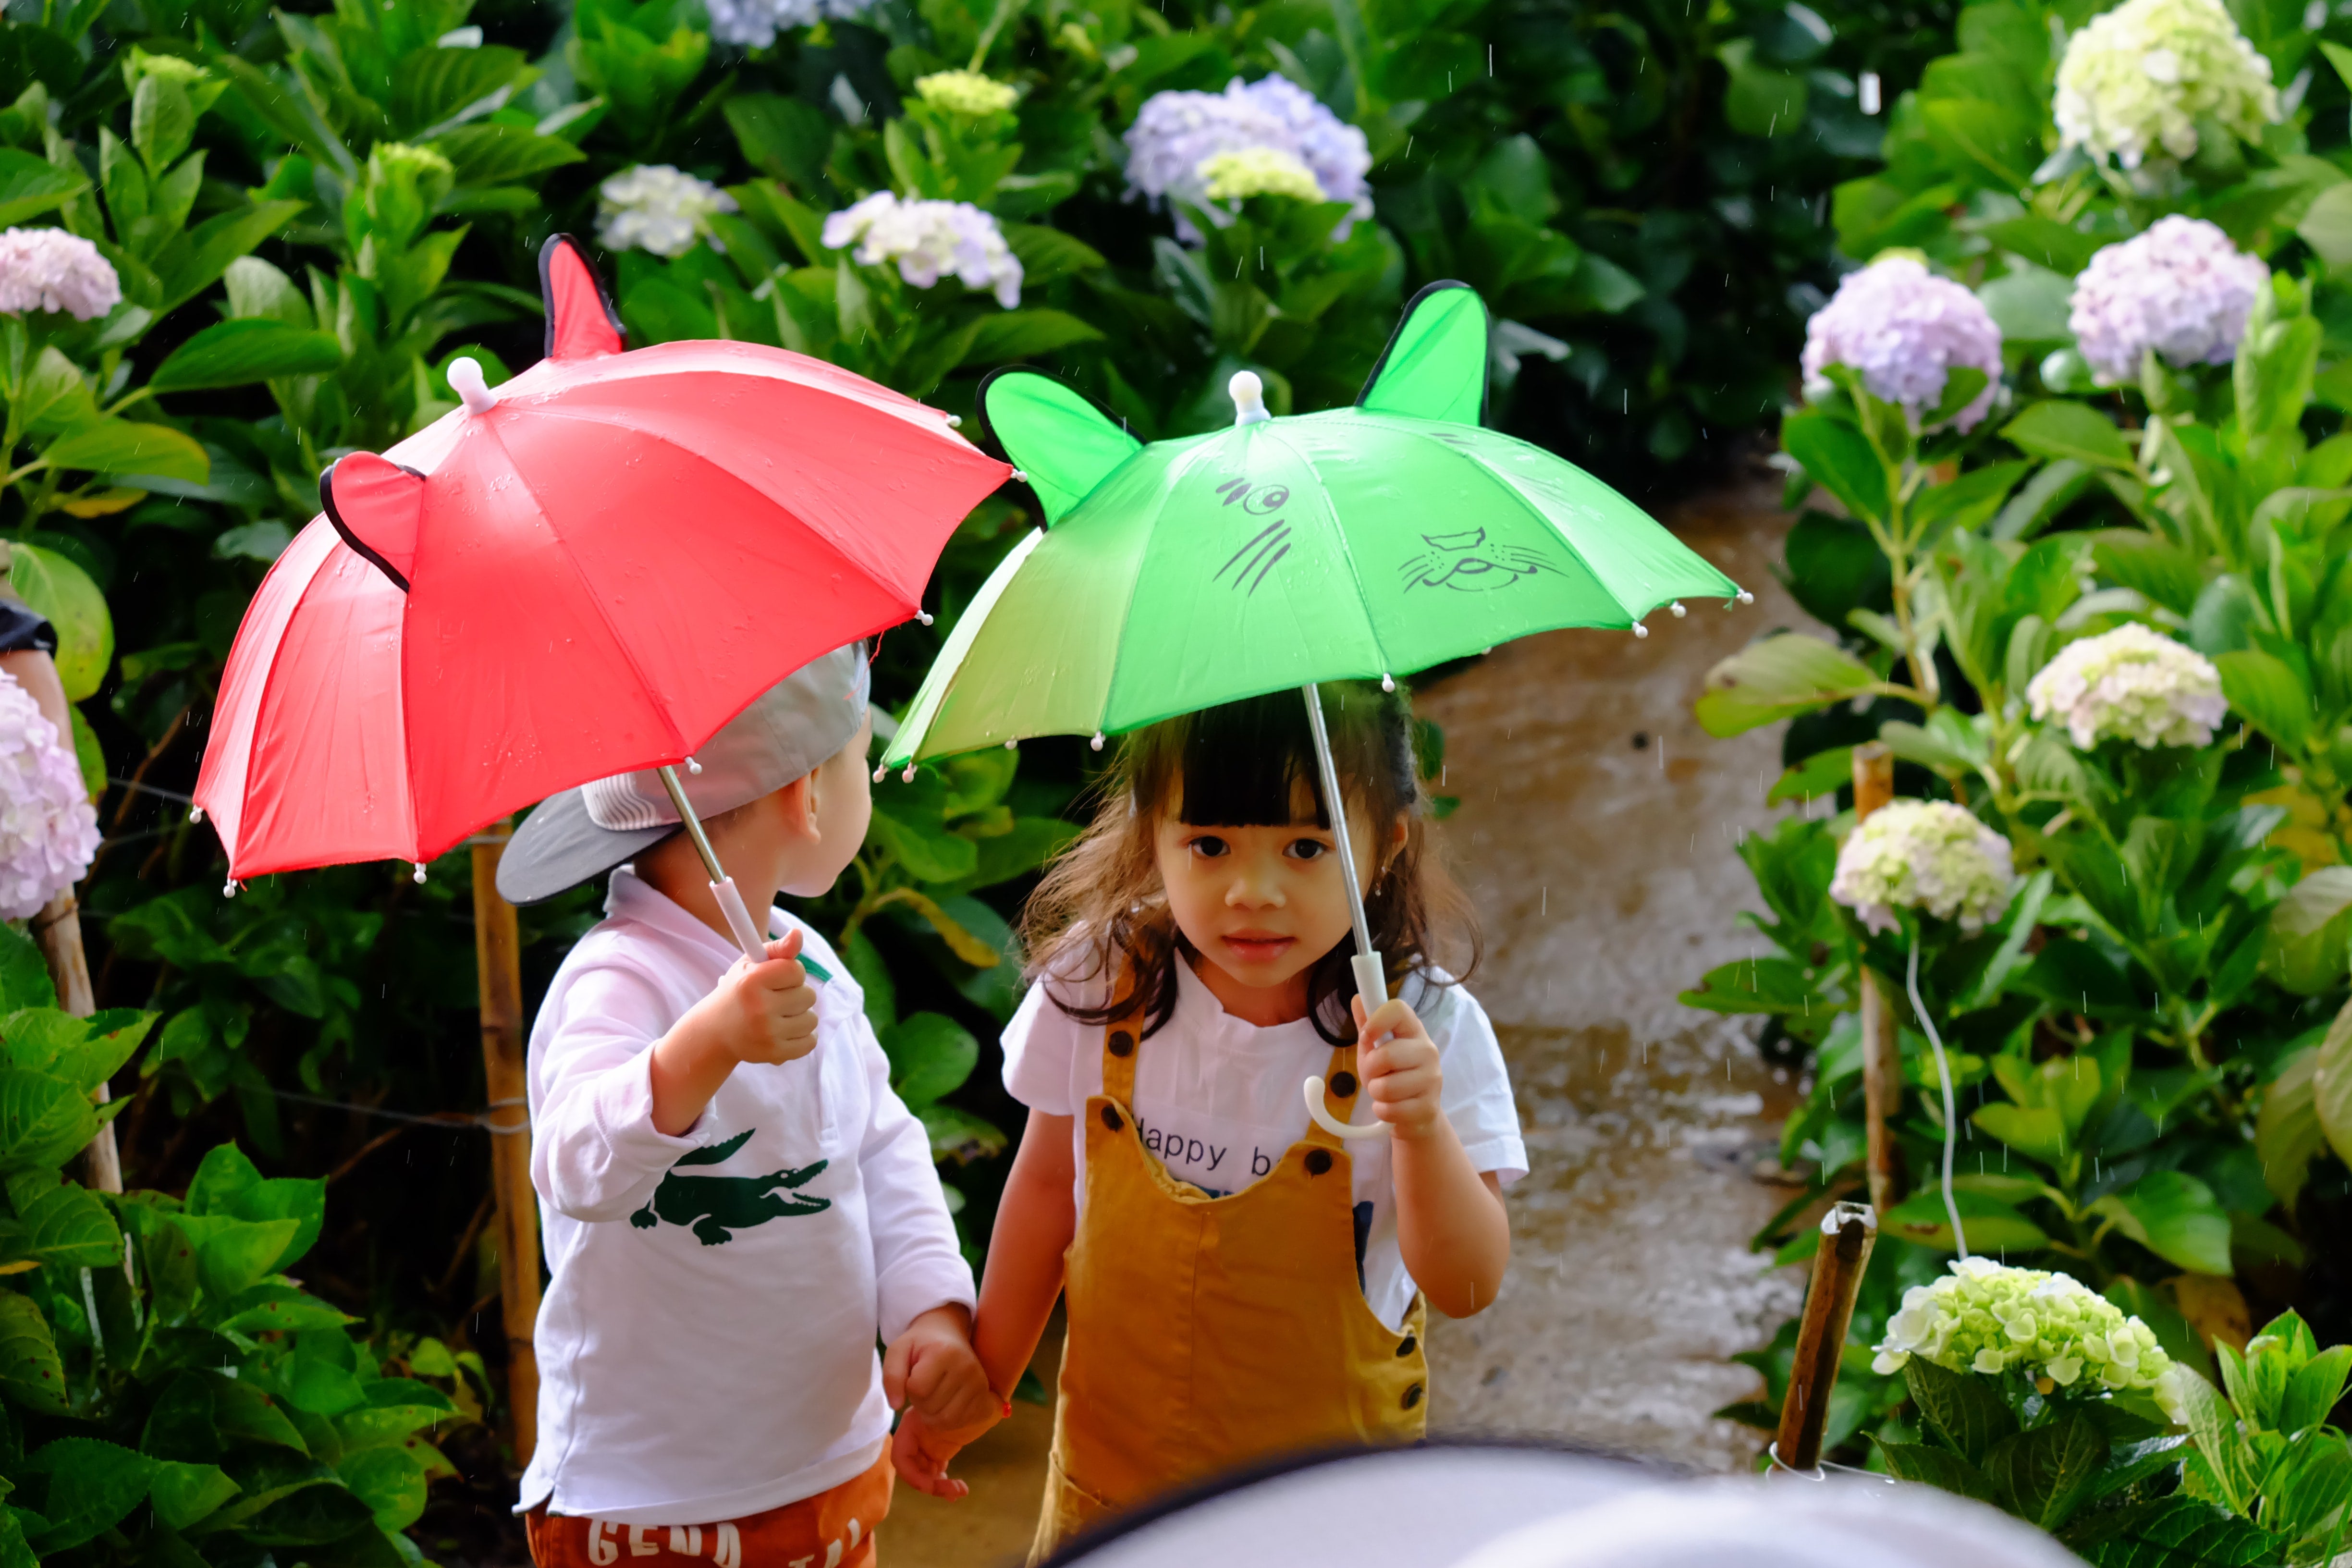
(1261, 905)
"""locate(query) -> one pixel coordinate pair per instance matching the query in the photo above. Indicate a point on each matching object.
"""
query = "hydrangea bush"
(1985, 1317)
(929, 240)
(2132, 684)
(1177, 134)
(2137, 80)
(2181, 290)
(1905, 330)
(1925, 855)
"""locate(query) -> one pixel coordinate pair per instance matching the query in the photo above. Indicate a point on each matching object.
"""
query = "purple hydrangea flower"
(49, 269)
(1176, 133)
(1905, 330)
(2182, 289)
(753, 24)
(48, 830)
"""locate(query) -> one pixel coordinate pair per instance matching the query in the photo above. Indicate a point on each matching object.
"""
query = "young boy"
(735, 1203)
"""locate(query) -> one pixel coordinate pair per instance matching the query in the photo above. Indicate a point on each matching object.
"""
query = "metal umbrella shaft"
(722, 886)
(1372, 980)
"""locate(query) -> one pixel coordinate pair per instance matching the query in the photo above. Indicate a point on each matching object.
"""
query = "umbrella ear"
(1062, 444)
(1435, 365)
(581, 320)
(376, 505)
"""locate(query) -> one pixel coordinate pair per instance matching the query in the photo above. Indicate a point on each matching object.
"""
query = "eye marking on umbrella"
(1258, 557)
(1466, 563)
(1264, 501)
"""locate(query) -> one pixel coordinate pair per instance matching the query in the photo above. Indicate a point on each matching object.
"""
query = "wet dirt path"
(1595, 835)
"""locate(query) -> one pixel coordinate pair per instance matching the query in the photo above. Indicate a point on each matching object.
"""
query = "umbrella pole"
(722, 886)
(1372, 980)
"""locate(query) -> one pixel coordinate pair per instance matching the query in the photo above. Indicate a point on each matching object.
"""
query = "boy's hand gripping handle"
(1371, 979)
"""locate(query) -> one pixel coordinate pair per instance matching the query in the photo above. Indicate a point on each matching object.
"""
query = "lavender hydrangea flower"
(2182, 289)
(2136, 82)
(49, 269)
(928, 240)
(1925, 855)
(753, 24)
(657, 207)
(1176, 132)
(1905, 330)
(2133, 684)
(48, 830)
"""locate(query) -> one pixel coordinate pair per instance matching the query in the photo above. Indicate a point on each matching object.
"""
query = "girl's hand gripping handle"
(1372, 983)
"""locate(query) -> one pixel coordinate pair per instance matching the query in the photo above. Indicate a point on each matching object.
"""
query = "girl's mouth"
(1257, 947)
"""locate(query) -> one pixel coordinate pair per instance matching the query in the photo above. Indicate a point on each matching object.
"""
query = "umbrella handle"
(739, 919)
(1372, 982)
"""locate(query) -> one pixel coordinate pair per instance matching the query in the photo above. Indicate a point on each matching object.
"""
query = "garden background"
(310, 212)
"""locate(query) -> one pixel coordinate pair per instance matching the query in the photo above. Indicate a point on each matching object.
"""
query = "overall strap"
(1338, 1074)
(1121, 1038)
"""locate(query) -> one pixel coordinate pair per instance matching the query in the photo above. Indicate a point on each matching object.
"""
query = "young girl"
(1239, 1282)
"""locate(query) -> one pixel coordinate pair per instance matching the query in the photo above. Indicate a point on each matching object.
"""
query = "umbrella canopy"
(589, 570)
(1358, 543)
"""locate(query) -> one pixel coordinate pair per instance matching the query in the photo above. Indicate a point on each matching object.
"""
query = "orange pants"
(833, 1529)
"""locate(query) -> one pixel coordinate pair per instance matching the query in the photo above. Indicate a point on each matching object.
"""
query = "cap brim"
(558, 847)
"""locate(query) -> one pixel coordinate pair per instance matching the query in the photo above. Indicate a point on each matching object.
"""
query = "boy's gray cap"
(788, 731)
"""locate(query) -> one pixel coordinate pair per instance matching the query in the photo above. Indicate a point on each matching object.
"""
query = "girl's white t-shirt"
(1218, 1098)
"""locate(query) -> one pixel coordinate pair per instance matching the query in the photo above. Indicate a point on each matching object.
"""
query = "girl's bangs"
(1241, 764)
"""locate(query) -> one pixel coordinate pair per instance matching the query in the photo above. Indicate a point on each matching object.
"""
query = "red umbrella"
(588, 570)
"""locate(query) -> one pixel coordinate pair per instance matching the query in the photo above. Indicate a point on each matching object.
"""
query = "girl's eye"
(1209, 846)
(1308, 849)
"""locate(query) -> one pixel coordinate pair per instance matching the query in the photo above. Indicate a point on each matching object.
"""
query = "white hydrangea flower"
(1924, 855)
(1176, 133)
(753, 24)
(49, 269)
(48, 829)
(1905, 330)
(2135, 81)
(1257, 172)
(966, 92)
(2182, 289)
(1989, 1318)
(2133, 684)
(929, 240)
(657, 207)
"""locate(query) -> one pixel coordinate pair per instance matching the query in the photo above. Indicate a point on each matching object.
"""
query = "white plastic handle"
(739, 919)
(1372, 984)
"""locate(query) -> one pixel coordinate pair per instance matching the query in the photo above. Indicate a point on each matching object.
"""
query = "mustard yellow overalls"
(1207, 1333)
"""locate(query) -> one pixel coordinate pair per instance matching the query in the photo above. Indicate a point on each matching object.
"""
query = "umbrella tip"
(692, 766)
(955, 421)
(1013, 744)
(465, 381)
(1097, 742)
(1678, 608)
(924, 616)
(1021, 475)
(1640, 630)
(1746, 597)
(881, 773)
(228, 888)
(195, 814)
(1249, 397)
(908, 776)
(1387, 681)
(417, 876)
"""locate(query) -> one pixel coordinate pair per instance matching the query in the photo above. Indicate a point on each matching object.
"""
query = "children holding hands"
(737, 1206)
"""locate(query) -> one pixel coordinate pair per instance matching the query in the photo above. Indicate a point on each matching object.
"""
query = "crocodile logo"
(718, 1207)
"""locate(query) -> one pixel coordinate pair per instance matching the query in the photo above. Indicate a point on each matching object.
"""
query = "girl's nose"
(1253, 891)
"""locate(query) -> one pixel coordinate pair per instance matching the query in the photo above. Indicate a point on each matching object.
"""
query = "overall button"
(1110, 1119)
(1122, 1044)
(1343, 1085)
(1412, 1396)
(1318, 1160)
(1406, 1349)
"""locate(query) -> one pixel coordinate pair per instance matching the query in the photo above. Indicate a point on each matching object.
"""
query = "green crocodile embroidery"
(718, 1207)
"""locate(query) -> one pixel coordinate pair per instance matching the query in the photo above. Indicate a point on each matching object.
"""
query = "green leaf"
(2030, 304)
(1022, 334)
(244, 1413)
(62, 594)
(1033, 841)
(433, 86)
(2150, 565)
(1822, 773)
(2269, 694)
(183, 1493)
(1991, 1224)
(226, 1182)
(195, 262)
(389, 1480)
(239, 353)
(2309, 938)
(127, 447)
(280, 1309)
(1966, 1409)
(960, 1135)
(2327, 225)
(789, 140)
(2049, 1471)
(2213, 1426)
(44, 1121)
(1937, 1468)
(163, 122)
(23, 972)
(931, 1056)
(323, 1376)
(1046, 254)
(2063, 429)
(92, 1485)
(2175, 1531)
(232, 1254)
(929, 853)
(1835, 454)
(2036, 1132)
(2175, 1216)
(66, 1226)
(84, 1052)
(2287, 1135)
(497, 154)
(2331, 1088)
(1776, 679)
(30, 1371)
(31, 187)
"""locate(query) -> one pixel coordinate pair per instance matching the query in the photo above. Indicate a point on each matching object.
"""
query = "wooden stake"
(1882, 1069)
(1848, 1232)
(497, 950)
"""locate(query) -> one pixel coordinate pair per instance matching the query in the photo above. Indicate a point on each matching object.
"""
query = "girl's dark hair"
(1101, 908)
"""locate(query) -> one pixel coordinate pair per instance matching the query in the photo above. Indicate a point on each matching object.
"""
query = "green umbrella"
(1359, 543)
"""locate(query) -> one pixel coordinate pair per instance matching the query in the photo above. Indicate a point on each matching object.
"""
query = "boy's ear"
(1062, 444)
(1435, 365)
(581, 320)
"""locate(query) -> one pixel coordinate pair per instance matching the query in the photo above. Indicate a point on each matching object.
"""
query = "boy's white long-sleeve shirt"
(706, 1344)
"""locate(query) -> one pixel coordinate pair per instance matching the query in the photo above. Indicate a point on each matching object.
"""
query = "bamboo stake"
(1848, 1232)
(497, 950)
(1882, 1071)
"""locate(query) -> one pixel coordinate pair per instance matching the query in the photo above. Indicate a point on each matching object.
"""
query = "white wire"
(1951, 1110)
